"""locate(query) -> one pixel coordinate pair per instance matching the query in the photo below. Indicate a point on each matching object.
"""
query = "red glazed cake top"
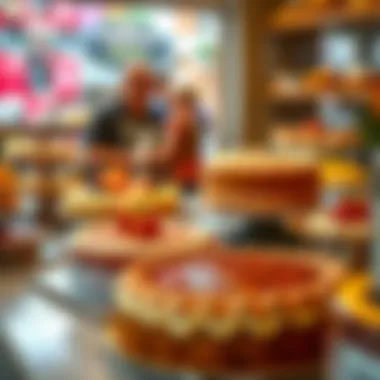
(228, 273)
(222, 278)
(222, 293)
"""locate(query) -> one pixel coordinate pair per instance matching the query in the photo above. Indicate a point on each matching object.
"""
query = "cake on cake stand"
(257, 189)
(233, 312)
(136, 222)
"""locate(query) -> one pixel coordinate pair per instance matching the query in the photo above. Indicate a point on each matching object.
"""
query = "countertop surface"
(52, 316)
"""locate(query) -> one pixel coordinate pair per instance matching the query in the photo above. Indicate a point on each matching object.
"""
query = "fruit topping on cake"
(113, 180)
(140, 226)
(351, 210)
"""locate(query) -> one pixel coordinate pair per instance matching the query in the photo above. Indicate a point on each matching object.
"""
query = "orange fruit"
(114, 180)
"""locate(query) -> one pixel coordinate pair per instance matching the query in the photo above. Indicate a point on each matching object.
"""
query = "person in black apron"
(130, 122)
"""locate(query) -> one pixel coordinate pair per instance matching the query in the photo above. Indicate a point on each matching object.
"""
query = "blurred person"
(132, 119)
(179, 152)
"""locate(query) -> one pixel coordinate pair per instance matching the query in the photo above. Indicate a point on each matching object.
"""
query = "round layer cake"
(244, 312)
(258, 181)
(116, 245)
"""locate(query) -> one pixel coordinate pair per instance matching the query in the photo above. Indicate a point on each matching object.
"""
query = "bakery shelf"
(39, 131)
(300, 98)
(328, 21)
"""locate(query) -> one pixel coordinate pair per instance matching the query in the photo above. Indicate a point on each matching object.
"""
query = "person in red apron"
(180, 151)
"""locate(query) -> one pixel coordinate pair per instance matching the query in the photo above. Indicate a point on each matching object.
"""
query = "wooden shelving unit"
(51, 129)
(302, 98)
(321, 42)
(316, 41)
(325, 21)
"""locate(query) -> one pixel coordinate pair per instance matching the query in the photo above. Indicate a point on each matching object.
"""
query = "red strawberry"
(351, 211)
(149, 227)
(141, 227)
